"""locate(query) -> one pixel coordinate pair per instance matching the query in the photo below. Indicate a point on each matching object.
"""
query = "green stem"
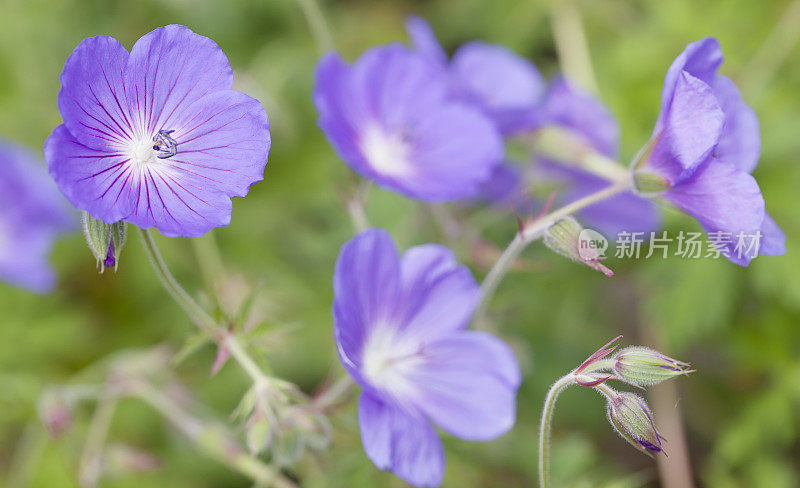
(214, 442)
(92, 457)
(199, 316)
(530, 234)
(316, 22)
(571, 44)
(570, 149)
(208, 256)
(545, 427)
(773, 52)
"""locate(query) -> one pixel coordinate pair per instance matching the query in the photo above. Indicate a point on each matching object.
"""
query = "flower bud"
(314, 428)
(642, 366)
(568, 238)
(289, 443)
(258, 433)
(55, 412)
(632, 419)
(105, 240)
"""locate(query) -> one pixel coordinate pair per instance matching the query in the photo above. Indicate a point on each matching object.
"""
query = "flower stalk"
(199, 316)
(629, 414)
(545, 427)
(532, 232)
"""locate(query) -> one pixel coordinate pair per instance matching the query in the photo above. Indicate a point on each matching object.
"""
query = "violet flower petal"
(723, 199)
(507, 86)
(424, 40)
(366, 288)
(92, 99)
(439, 295)
(156, 138)
(740, 141)
(389, 118)
(169, 69)
(467, 385)
(691, 129)
(400, 441)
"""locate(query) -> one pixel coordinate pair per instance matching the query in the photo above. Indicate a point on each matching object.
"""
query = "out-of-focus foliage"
(738, 327)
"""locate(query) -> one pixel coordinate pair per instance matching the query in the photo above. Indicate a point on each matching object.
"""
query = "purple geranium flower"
(506, 86)
(399, 327)
(32, 214)
(156, 136)
(390, 117)
(705, 144)
(568, 107)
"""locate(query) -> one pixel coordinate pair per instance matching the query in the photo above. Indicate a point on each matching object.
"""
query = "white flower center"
(387, 360)
(388, 154)
(142, 152)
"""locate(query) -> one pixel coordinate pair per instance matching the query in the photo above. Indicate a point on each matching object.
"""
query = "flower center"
(143, 153)
(388, 154)
(163, 146)
(387, 360)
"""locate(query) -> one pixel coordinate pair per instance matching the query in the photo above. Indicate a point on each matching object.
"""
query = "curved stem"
(546, 425)
(531, 233)
(199, 316)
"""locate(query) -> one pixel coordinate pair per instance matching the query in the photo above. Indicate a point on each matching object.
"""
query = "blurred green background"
(738, 327)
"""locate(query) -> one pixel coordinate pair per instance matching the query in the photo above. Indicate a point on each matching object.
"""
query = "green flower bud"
(289, 442)
(586, 246)
(105, 240)
(258, 434)
(632, 419)
(642, 366)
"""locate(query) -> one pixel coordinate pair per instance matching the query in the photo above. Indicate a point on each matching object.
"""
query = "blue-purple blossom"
(705, 144)
(590, 122)
(32, 214)
(156, 137)
(391, 117)
(506, 86)
(399, 325)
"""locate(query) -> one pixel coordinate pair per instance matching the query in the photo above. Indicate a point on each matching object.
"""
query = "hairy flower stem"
(531, 233)
(546, 427)
(199, 316)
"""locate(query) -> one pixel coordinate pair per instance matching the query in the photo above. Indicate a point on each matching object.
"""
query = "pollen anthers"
(148, 151)
(165, 146)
